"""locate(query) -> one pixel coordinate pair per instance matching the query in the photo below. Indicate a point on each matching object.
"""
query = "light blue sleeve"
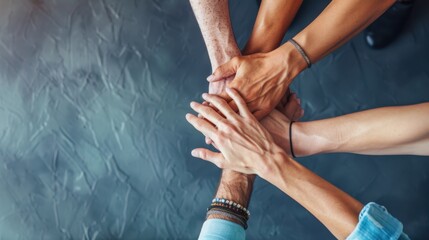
(219, 229)
(375, 223)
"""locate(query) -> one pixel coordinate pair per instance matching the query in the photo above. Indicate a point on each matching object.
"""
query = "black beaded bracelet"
(290, 139)
(231, 204)
(301, 51)
(226, 208)
(225, 213)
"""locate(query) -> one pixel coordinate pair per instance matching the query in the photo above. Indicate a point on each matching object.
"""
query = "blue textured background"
(93, 141)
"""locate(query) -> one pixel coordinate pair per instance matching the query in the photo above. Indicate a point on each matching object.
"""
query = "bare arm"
(236, 187)
(274, 18)
(338, 23)
(381, 131)
(334, 208)
(246, 146)
(214, 22)
(268, 75)
(215, 25)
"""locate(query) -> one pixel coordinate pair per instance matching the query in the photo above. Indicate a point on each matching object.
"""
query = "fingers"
(291, 106)
(285, 98)
(205, 154)
(202, 126)
(233, 105)
(208, 113)
(239, 101)
(293, 109)
(226, 70)
(208, 140)
(221, 105)
(299, 114)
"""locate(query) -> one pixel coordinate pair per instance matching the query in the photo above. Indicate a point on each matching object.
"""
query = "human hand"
(245, 145)
(277, 122)
(261, 78)
(218, 87)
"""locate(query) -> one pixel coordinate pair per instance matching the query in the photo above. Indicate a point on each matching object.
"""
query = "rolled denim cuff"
(219, 229)
(376, 223)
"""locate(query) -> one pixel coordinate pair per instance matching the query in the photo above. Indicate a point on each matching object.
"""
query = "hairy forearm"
(274, 17)
(236, 187)
(334, 208)
(214, 22)
(382, 131)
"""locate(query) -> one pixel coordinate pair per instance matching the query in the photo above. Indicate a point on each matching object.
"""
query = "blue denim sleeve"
(375, 223)
(219, 229)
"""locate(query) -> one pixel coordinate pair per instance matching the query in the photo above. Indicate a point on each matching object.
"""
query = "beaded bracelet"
(226, 205)
(234, 211)
(227, 214)
(231, 203)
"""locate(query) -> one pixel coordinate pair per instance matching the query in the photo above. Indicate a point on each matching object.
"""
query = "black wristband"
(301, 51)
(290, 139)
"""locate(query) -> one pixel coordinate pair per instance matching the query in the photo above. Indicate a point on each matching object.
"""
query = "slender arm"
(381, 131)
(334, 208)
(338, 23)
(274, 18)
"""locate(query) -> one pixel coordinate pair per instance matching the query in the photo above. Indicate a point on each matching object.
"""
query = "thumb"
(205, 154)
(224, 71)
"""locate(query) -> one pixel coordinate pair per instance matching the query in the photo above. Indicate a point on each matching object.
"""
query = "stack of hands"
(245, 144)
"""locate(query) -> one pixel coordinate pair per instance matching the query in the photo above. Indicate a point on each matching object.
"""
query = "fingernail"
(204, 95)
(194, 153)
(210, 78)
(187, 115)
(192, 104)
(228, 89)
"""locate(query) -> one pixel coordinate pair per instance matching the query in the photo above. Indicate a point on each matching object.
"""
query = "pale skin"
(213, 18)
(246, 146)
(382, 131)
(236, 186)
(263, 78)
(270, 27)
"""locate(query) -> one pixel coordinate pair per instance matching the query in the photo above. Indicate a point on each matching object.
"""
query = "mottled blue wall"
(93, 141)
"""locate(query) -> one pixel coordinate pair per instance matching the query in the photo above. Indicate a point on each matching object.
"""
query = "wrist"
(273, 165)
(223, 55)
(290, 59)
(302, 141)
(235, 186)
(254, 45)
(308, 138)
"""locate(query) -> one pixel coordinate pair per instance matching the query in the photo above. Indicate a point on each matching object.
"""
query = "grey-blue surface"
(93, 141)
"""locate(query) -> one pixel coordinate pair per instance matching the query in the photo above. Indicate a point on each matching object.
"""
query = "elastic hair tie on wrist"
(290, 139)
(301, 51)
